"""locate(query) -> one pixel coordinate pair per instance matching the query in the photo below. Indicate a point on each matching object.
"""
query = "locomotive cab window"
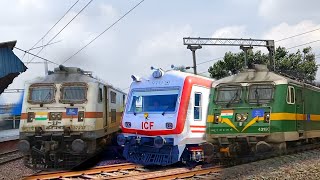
(73, 93)
(113, 96)
(291, 95)
(41, 93)
(228, 94)
(260, 93)
(100, 95)
(153, 101)
(197, 106)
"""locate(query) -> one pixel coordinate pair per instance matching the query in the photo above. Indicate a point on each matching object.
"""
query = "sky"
(151, 35)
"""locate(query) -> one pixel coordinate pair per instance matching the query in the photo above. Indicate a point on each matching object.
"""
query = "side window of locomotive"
(290, 95)
(113, 97)
(197, 111)
(113, 115)
(100, 95)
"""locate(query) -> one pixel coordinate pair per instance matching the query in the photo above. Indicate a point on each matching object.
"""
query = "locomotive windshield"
(41, 93)
(260, 93)
(73, 93)
(153, 100)
(229, 94)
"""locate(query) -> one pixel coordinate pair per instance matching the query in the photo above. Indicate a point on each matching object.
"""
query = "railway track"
(133, 171)
(128, 171)
(9, 156)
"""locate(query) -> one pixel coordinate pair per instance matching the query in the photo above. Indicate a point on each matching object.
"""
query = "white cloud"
(165, 48)
(230, 31)
(288, 10)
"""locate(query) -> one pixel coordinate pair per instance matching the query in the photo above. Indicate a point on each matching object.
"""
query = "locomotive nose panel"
(240, 120)
(56, 119)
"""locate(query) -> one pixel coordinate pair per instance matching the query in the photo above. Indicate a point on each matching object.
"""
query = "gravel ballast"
(15, 170)
(304, 165)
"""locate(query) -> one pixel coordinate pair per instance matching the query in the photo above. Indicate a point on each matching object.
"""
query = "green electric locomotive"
(258, 110)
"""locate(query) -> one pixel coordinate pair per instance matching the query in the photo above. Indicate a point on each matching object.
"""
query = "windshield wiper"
(233, 98)
(167, 109)
(45, 99)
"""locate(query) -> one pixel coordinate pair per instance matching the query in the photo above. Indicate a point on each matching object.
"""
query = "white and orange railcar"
(165, 118)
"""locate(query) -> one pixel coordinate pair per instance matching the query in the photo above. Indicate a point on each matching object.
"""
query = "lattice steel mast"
(245, 44)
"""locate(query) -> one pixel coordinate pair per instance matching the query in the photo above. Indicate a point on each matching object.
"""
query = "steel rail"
(6, 157)
(188, 174)
(9, 152)
(93, 171)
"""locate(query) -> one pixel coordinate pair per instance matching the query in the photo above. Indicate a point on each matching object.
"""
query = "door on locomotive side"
(199, 101)
(299, 103)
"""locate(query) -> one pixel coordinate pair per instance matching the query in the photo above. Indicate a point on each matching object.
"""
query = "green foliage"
(301, 65)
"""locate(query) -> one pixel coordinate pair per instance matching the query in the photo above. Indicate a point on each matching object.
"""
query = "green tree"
(300, 65)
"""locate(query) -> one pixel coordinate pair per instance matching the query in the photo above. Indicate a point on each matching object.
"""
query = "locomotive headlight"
(30, 117)
(59, 116)
(267, 117)
(159, 142)
(52, 116)
(238, 117)
(245, 117)
(157, 74)
(121, 139)
(80, 116)
(216, 118)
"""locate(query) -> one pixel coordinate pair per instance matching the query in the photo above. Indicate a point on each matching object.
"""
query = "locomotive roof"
(185, 74)
(69, 74)
(260, 73)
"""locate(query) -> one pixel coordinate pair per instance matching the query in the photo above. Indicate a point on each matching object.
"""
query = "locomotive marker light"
(267, 117)
(159, 142)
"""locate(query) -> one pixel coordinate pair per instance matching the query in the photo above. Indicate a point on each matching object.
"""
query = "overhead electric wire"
(54, 25)
(304, 44)
(44, 45)
(63, 28)
(25, 51)
(103, 32)
(51, 28)
(297, 35)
